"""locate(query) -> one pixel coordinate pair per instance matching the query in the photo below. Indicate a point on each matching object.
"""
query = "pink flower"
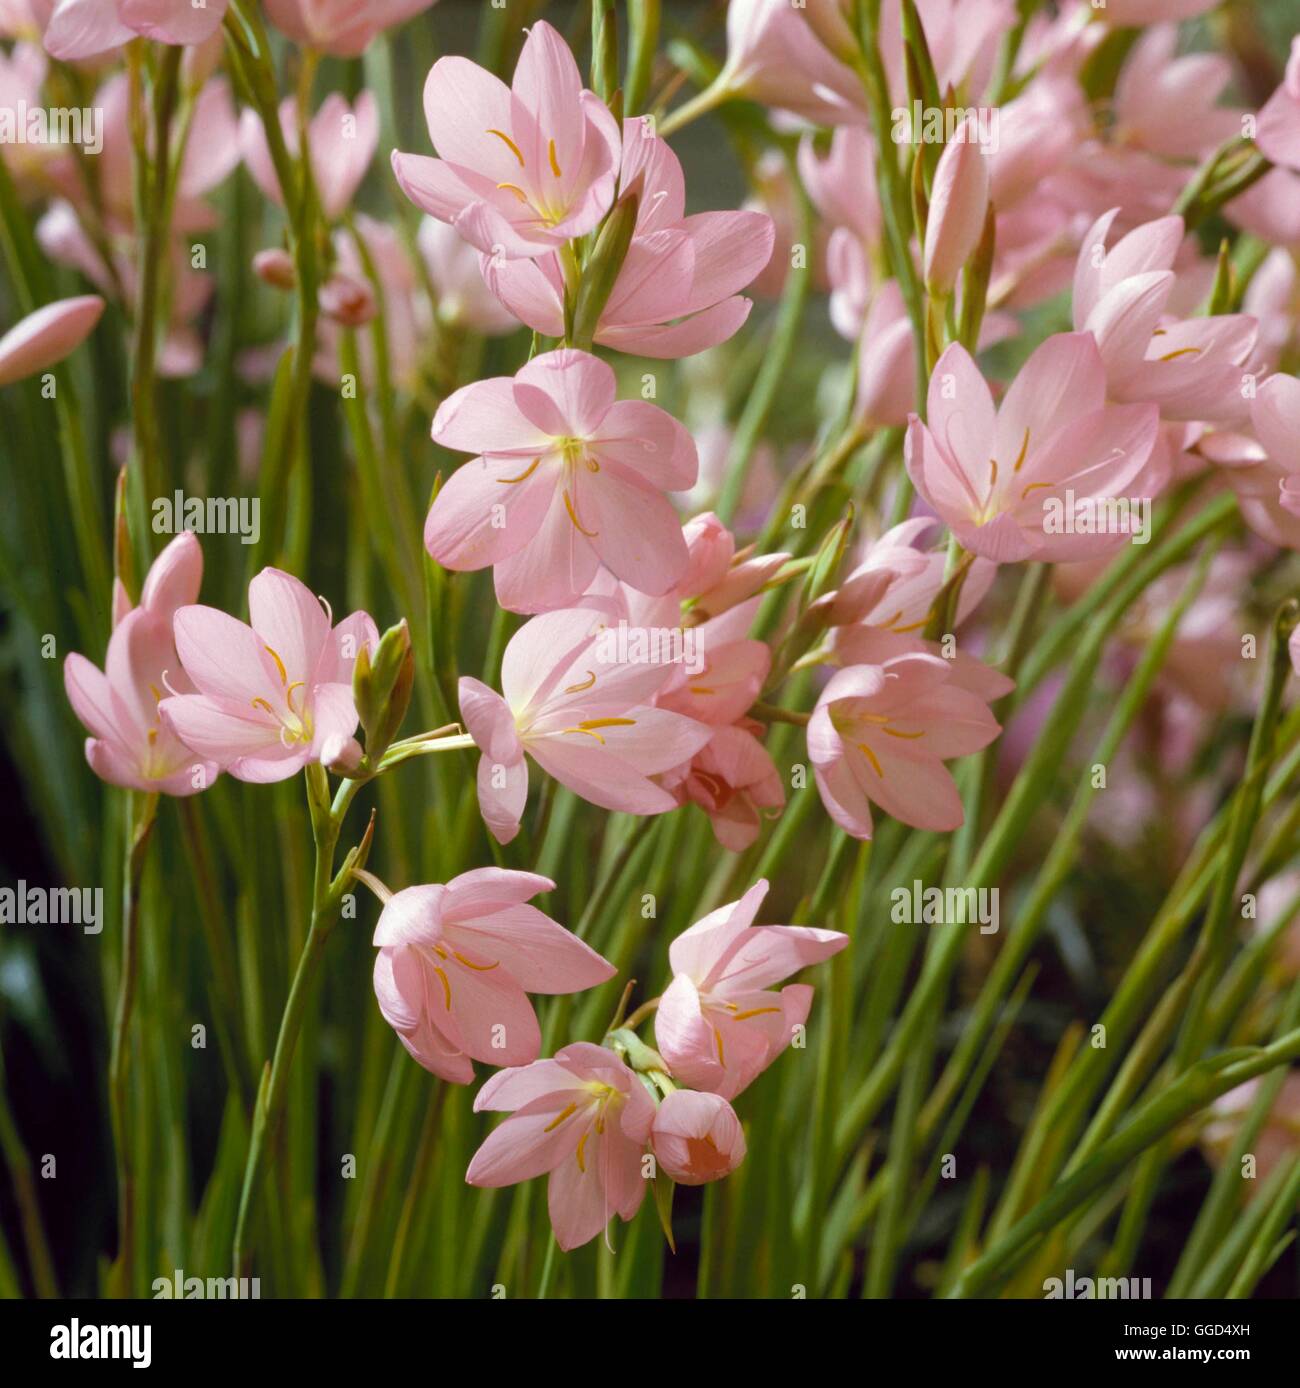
(343, 28)
(1278, 131)
(959, 202)
(886, 391)
(456, 963)
(342, 139)
(272, 695)
(47, 336)
(1191, 368)
(1165, 104)
(568, 478)
(582, 718)
(85, 28)
(523, 169)
(696, 1138)
(881, 734)
(676, 293)
(585, 1118)
(734, 780)
(131, 746)
(463, 300)
(990, 472)
(719, 1025)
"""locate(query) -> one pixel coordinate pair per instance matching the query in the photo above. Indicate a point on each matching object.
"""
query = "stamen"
(753, 1012)
(1181, 352)
(325, 603)
(516, 190)
(152, 736)
(871, 757)
(156, 692)
(481, 968)
(584, 685)
(722, 1059)
(288, 696)
(167, 685)
(582, 1142)
(993, 468)
(555, 163)
(261, 703)
(279, 664)
(1024, 450)
(446, 985)
(577, 524)
(586, 732)
(894, 732)
(588, 723)
(1032, 486)
(555, 1122)
(523, 476)
(700, 689)
(510, 144)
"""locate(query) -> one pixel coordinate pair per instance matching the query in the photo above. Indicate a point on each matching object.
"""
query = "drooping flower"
(567, 477)
(991, 472)
(581, 717)
(678, 289)
(696, 1138)
(271, 695)
(456, 963)
(343, 28)
(585, 1118)
(342, 138)
(719, 1024)
(1191, 368)
(130, 744)
(522, 169)
(46, 336)
(86, 28)
(880, 734)
(734, 780)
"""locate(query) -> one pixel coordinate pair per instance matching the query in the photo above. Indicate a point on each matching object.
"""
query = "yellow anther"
(1033, 486)
(156, 692)
(1181, 352)
(588, 723)
(722, 1058)
(1024, 452)
(753, 1012)
(993, 470)
(700, 689)
(516, 190)
(555, 1122)
(481, 968)
(152, 735)
(582, 1142)
(871, 757)
(446, 985)
(261, 703)
(586, 732)
(894, 732)
(524, 476)
(583, 685)
(510, 144)
(550, 154)
(279, 664)
(573, 516)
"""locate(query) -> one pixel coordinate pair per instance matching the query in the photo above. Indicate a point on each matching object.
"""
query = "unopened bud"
(275, 267)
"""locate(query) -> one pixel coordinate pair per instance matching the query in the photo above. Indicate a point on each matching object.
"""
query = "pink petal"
(46, 336)
(289, 620)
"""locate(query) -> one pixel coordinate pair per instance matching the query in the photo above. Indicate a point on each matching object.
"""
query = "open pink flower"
(46, 336)
(880, 734)
(719, 1025)
(342, 139)
(696, 1138)
(582, 718)
(734, 780)
(1191, 368)
(568, 478)
(523, 169)
(990, 471)
(1278, 132)
(343, 28)
(585, 1118)
(271, 696)
(130, 745)
(677, 291)
(85, 28)
(1165, 103)
(456, 963)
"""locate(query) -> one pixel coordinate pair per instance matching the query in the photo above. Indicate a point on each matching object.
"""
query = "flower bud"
(959, 199)
(696, 1137)
(347, 300)
(341, 755)
(381, 687)
(275, 267)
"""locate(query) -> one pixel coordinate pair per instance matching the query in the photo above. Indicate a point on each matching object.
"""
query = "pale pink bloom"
(1037, 132)
(962, 36)
(273, 694)
(463, 300)
(959, 202)
(1279, 1137)
(580, 716)
(719, 1024)
(456, 963)
(773, 56)
(34, 166)
(46, 336)
(343, 28)
(342, 138)
(585, 1118)
(523, 169)
(886, 389)
(734, 780)
(1166, 104)
(719, 578)
(85, 28)
(24, 19)
(1270, 209)
(1278, 132)
(131, 746)
(842, 184)
(696, 1138)
(1273, 298)
(989, 471)
(880, 734)
(853, 282)
(567, 477)
(676, 293)
(1266, 475)
(1191, 368)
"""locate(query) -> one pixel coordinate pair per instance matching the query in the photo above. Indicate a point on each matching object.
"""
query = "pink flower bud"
(47, 336)
(341, 755)
(959, 200)
(275, 267)
(347, 300)
(696, 1137)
